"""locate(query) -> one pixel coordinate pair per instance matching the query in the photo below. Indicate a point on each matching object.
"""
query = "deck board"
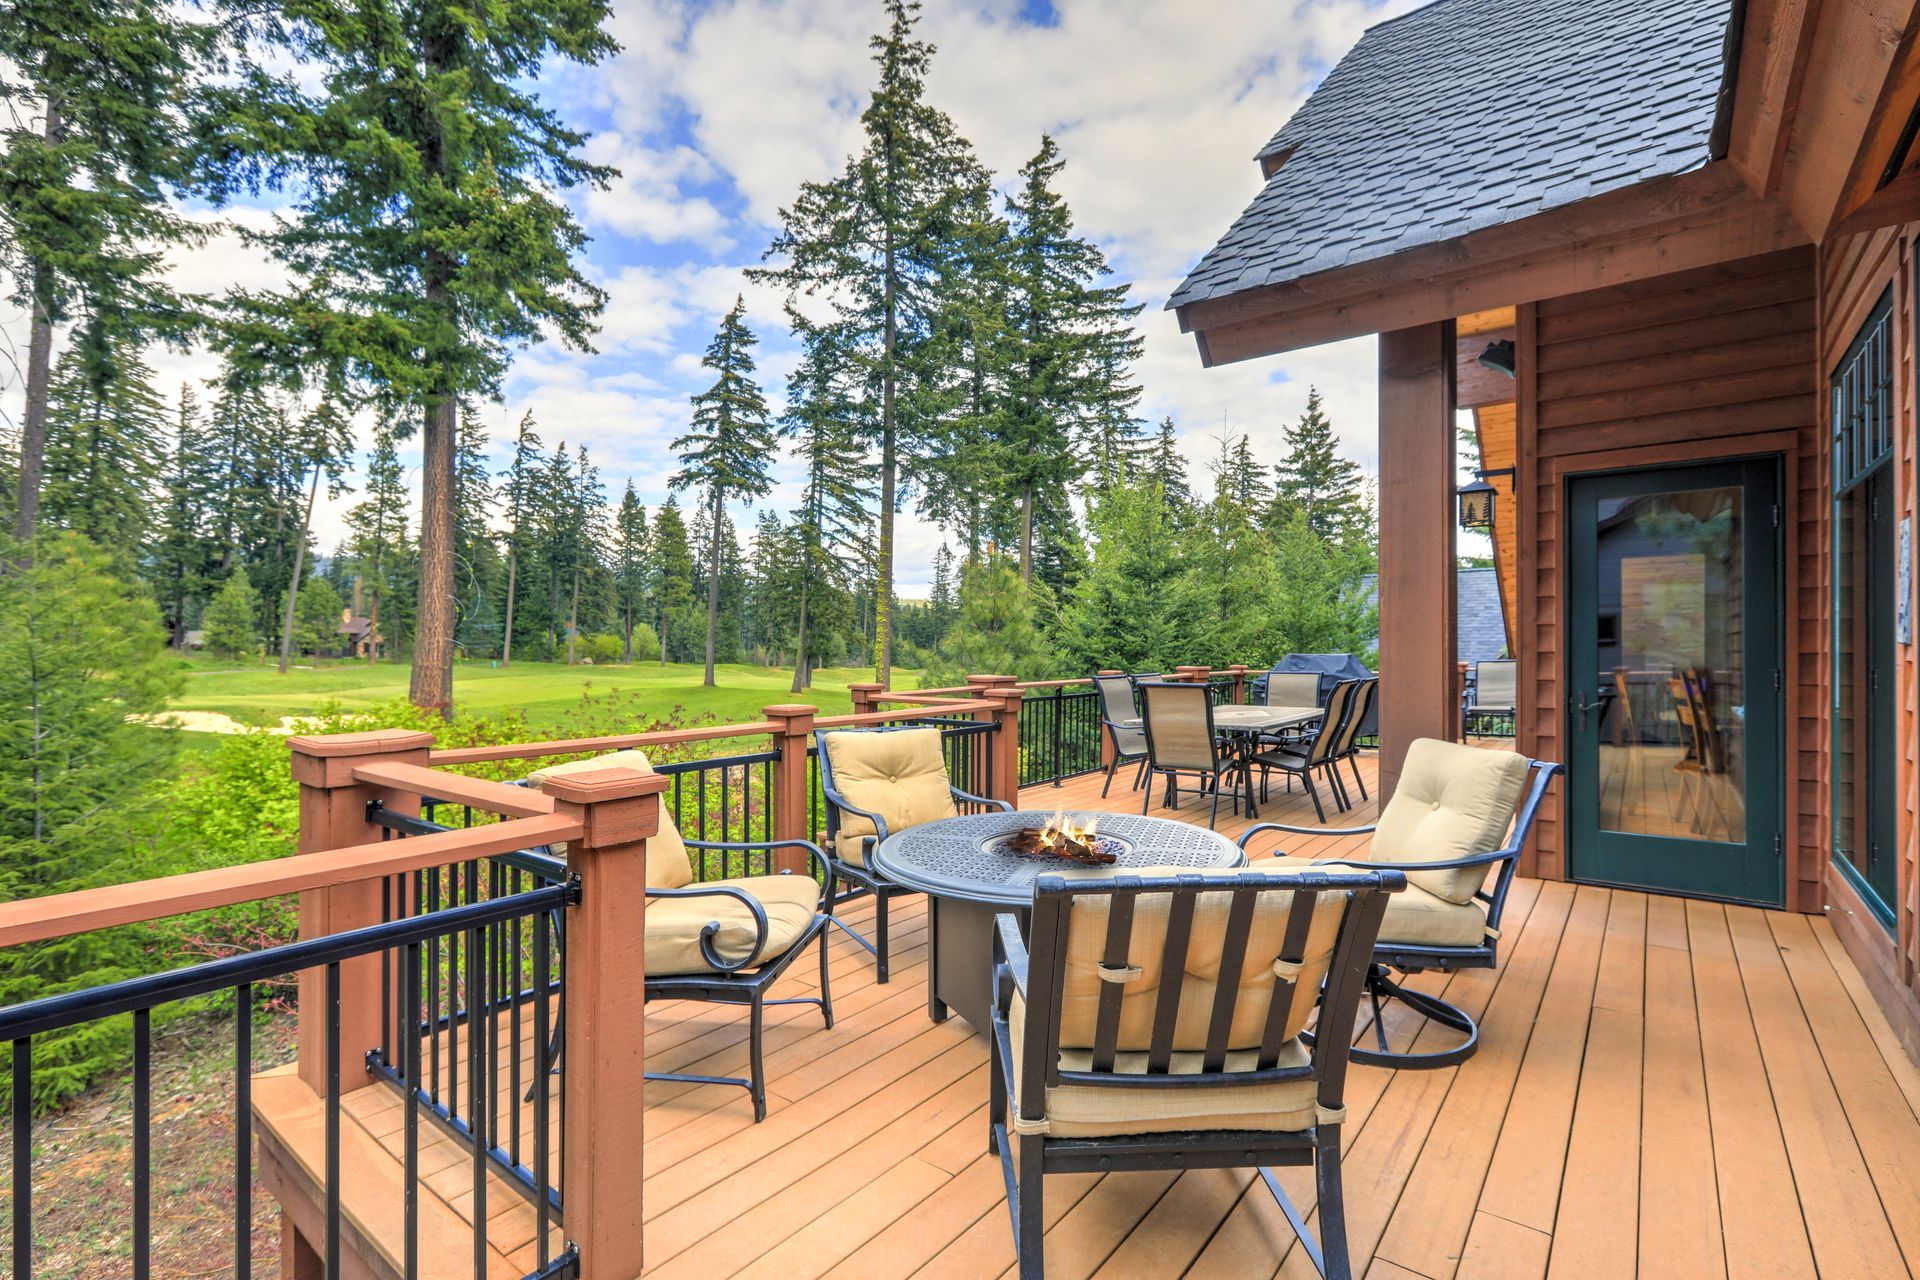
(1664, 1089)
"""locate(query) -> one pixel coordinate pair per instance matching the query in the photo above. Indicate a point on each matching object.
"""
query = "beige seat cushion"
(674, 924)
(1451, 801)
(1098, 1111)
(668, 866)
(1413, 915)
(900, 775)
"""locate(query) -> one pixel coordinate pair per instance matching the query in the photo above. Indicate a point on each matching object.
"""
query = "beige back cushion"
(667, 863)
(1087, 944)
(1452, 801)
(1176, 723)
(900, 775)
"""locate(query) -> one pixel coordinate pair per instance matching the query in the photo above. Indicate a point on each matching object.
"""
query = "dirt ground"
(83, 1164)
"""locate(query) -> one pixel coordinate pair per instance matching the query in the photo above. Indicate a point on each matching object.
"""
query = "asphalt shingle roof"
(1470, 113)
(1480, 625)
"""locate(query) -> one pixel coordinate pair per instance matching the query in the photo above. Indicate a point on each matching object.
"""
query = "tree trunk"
(1026, 533)
(513, 576)
(889, 465)
(573, 618)
(293, 583)
(33, 426)
(802, 668)
(628, 658)
(432, 680)
(713, 581)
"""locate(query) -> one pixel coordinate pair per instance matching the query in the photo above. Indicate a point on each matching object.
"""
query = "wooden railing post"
(1005, 740)
(1239, 670)
(618, 810)
(790, 782)
(863, 696)
(333, 815)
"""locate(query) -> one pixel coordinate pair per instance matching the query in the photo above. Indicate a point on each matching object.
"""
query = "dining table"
(1244, 725)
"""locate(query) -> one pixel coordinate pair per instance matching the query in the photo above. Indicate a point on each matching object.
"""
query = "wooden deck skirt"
(1664, 1088)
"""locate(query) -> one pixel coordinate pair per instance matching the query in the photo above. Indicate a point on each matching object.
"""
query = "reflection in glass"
(1671, 658)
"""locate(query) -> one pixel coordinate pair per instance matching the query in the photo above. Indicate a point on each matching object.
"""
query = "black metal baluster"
(410, 1240)
(23, 1158)
(243, 1131)
(513, 1020)
(457, 997)
(142, 1144)
(477, 1082)
(433, 990)
(386, 957)
(542, 1029)
(333, 1122)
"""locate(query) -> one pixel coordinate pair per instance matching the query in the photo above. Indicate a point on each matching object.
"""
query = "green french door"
(1673, 666)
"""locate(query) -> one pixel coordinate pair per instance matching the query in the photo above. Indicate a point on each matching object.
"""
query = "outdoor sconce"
(1476, 501)
(1498, 357)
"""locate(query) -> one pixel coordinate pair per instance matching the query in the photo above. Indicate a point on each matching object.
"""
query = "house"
(1695, 223)
(1479, 614)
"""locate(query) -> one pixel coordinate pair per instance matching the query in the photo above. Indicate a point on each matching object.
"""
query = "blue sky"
(715, 113)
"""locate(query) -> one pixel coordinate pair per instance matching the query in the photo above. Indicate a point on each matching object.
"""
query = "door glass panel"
(1670, 657)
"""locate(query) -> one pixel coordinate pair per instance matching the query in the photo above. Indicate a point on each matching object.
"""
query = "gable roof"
(1470, 113)
(1480, 628)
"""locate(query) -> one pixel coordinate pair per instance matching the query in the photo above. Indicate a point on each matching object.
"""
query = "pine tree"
(1314, 480)
(728, 448)
(673, 585)
(476, 550)
(105, 445)
(830, 526)
(1165, 467)
(378, 541)
(230, 625)
(519, 494)
(1073, 337)
(1125, 611)
(317, 621)
(582, 536)
(1240, 482)
(998, 627)
(95, 92)
(427, 233)
(183, 556)
(877, 244)
(632, 550)
(321, 449)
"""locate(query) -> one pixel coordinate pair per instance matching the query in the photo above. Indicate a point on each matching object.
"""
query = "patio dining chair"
(1495, 692)
(1347, 746)
(1458, 814)
(877, 782)
(1292, 689)
(1314, 752)
(1181, 739)
(724, 941)
(1154, 1020)
(1123, 729)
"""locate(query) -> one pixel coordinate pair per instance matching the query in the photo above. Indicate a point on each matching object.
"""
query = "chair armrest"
(714, 959)
(1013, 949)
(814, 851)
(1255, 830)
(837, 801)
(1447, 864)
(970, 798)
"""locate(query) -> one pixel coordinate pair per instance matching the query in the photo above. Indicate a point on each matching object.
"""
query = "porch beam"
(1417, 574)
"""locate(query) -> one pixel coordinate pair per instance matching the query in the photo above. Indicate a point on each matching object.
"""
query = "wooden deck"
(1665, 1088)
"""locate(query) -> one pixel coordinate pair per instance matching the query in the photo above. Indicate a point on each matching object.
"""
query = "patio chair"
(1457, 813)
(1495, 691)
(1178, 720)
(1123, 728)
(1292, 689)
(1347, 747)
(1154, 1021)
(722, 941)
(1315, 752)
(877, 782)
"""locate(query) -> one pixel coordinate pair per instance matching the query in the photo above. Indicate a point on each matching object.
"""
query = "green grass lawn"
(544, 691)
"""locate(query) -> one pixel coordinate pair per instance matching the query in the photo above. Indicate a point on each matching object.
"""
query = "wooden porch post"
(618, 809)
(1004, 744)
(789, 800)
(1417, 558)
(863, 696)
(333, 815)
(1239, 670)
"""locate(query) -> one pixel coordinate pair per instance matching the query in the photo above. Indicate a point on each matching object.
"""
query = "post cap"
(788, 711)
(597, 786)
(373, 742)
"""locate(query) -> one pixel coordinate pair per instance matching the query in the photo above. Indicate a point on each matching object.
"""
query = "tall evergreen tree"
(94, 95)
(428, 233)
(729, 446)
(1073, 339)
(184, 554)
(674, 615)
(831, 524)
(1240, 482)
(320, 448)
(519, 492)
(105, 445)
(478, 570)
(1165, 467)
(1315, 481)
(231, 624)
(377, 528)
(877, 243)
(632, 550)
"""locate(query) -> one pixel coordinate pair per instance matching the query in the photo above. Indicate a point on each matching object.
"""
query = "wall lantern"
(1476, 501)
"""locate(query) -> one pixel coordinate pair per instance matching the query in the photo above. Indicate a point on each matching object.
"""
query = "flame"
(1063, 829)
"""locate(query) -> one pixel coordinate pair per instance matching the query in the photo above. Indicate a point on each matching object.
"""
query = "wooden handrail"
(452, 788)
(610, 742)
(904, 713)
(63, 914)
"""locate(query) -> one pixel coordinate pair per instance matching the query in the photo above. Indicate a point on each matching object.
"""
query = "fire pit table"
(970, 871)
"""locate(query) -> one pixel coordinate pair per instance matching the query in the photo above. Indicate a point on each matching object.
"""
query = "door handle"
(1575, 703)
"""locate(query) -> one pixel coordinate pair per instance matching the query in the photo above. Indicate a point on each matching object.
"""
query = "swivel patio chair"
(1457, 813)
(1155, 1021)
(1315, 752)
(877, 782)
(724, 941)
(1122, 724)
(1495, 693)
(1181, 739)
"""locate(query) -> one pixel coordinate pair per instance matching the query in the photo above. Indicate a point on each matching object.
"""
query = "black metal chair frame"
(1347, 745)
(1409, 958)
(864, 879)
(732, 982)
(1113, 738)
(1229, 762)
(1035, 968)
(1329, 733)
